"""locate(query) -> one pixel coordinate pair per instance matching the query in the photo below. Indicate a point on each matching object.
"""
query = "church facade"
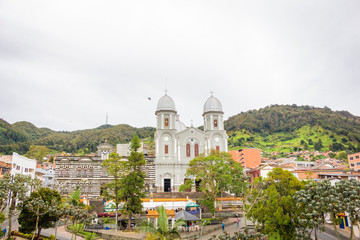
(177, 144)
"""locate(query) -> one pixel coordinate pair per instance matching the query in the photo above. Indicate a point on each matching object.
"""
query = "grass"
(77, 227)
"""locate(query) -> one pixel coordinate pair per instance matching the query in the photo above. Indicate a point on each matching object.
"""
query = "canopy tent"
(186, 216)
(192, 204)
(192, 208)
(110, 207)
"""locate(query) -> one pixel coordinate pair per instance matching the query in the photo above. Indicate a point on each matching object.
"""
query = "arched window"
(196, 150)
(188, 150)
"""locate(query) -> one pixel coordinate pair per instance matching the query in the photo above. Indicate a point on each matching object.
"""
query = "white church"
(176, 144)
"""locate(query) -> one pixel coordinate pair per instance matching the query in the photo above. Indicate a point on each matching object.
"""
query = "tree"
(162, 230)
(316, 200)
(16, 189)
(251, 195)
(318, 145)
(348, 192)
(342, 156)
(133, 182)
(37, 152)
(37, 211)
(115, 167)
(215, 172)
(77, 212)
(310, 142)
(276, 211)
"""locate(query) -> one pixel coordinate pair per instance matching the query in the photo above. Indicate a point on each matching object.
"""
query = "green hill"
(276, 128)
(21, 135)
(289, 127)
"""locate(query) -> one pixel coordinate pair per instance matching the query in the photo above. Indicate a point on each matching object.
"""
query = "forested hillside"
(21, 135)
(291, 127)
(283, 128)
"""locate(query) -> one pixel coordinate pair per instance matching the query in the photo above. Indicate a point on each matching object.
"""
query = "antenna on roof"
(212, 93)
(106, 122)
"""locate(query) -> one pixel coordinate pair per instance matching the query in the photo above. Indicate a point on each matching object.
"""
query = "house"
(5, 165)
(261, 171)
(354, 161)
(22, 165)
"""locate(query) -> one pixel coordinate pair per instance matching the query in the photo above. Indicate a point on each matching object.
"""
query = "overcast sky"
(66, 64)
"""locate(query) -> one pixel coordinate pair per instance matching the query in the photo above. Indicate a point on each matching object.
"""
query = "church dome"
(212, 105)
(166, 103)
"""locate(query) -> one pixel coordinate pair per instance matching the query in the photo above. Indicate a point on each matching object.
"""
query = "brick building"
(354, 161)
(248, 157)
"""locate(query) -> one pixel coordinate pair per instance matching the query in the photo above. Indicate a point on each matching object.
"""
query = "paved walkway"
(62, 234)
(230, 228)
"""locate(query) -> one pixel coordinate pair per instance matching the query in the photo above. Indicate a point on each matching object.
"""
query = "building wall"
(248, 157)
(23, 165)
(124, 149)
(305, 174)
(354, 161)
(87, 173)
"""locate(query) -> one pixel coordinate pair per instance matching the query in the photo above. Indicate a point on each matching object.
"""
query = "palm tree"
(162, 231)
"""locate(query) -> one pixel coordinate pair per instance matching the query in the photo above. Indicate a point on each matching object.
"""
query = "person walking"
(237, 222)
(223, 226)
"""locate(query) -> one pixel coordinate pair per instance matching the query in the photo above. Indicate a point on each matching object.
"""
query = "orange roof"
(154, 213)
(6, 158)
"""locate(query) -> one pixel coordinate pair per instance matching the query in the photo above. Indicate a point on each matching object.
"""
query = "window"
(26, 170)
(78, 172)
(60, 173)
(358, 164)
(103, 171)
(166, 149)
(166, 122)
(188, 150)
(351, 158)
(196, 150)
(352, 165)
(17, 167)
(215, 123)
(357, 157)
(217, 149)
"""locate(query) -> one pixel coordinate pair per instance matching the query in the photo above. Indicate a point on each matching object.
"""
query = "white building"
(124, 149)
(177, 144)
(22, 165)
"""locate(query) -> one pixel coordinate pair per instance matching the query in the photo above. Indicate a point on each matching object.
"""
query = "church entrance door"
(167, 185)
